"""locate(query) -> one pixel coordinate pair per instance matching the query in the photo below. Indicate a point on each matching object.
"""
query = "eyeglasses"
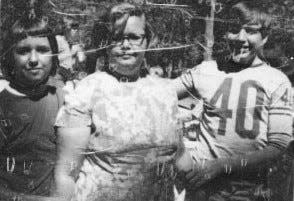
(133, 39)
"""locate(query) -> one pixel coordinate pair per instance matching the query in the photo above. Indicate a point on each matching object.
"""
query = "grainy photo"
(146, 100)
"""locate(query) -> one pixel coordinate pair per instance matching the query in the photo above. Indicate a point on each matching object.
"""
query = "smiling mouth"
(242, 49)
(34, 70)
(126, 55)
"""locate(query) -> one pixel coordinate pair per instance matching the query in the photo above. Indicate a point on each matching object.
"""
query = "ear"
(177, 196)
(153, 42)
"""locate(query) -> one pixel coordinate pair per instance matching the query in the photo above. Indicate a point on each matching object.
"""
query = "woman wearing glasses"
(117, 130)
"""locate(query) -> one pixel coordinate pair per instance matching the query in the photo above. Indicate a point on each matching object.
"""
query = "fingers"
(190, 175)
(194, 176)
(194, 173)
(197, 178)
(199, 183)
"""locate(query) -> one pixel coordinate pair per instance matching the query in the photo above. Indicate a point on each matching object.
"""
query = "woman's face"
(32, 60)
(128, 50)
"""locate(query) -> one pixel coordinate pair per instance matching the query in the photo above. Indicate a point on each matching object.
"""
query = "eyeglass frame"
(120, 40)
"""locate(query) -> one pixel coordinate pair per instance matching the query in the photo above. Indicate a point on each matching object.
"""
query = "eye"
(234, 28)
(43, 49)
(116, 38)
(134, 37)
(251, 30)
(22, 50)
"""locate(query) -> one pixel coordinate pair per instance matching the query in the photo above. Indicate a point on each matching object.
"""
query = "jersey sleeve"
(192, 78)
(76, 111)
(280, 116)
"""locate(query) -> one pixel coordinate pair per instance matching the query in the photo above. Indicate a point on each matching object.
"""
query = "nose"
(33, 60)
(125, 44)
(242, 35)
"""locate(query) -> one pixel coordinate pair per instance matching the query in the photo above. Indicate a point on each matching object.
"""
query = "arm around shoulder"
(189, 81)
(179, 87)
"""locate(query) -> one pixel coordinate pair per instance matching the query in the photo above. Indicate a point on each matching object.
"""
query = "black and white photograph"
(146, 100)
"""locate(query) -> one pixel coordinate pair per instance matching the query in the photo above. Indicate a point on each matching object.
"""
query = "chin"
(36, 79)
(127, 69)
(245, 60)
(126, 62)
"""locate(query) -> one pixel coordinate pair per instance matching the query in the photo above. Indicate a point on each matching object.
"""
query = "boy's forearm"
(179, 87)
(7, 194)
(252, 162)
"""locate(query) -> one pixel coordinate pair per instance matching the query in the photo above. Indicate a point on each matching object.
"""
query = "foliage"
(175, 26)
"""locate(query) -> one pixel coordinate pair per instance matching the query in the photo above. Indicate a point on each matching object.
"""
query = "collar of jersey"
(257, 65)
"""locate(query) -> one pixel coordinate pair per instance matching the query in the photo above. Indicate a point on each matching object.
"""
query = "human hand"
(204, 172)
(185, 162)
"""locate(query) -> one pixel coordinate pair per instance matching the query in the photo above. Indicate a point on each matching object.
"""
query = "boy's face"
(33, 60)
(245, 42)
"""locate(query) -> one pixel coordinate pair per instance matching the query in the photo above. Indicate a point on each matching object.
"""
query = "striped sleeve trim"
(282, 113)
(280, 139)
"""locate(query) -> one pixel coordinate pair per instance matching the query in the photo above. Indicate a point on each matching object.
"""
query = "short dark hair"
(20, 30)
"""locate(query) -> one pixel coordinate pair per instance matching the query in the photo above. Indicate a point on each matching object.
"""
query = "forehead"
(34, 41)
(241, 15)
(135, 24)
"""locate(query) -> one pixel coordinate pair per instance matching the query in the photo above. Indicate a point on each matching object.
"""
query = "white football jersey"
(243, 111)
